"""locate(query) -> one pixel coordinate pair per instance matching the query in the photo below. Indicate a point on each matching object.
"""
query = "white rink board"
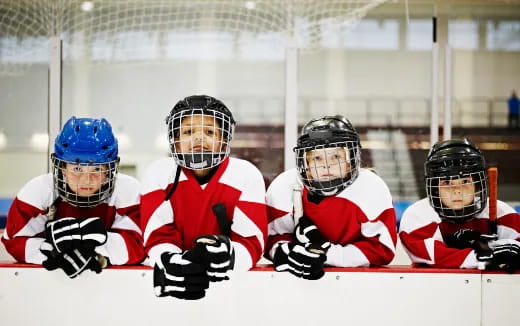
(501, 299)
(33, 296)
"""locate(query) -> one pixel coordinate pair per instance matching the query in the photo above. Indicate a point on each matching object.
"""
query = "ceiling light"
(161, 143)
(250, 5)
(40, 141)
(3, 140)
(123, 141)
(87, 5)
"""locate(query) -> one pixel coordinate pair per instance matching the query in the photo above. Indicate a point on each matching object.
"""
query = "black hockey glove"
(72, 263)
(308, 235)
(299, 261)
(70, 233)
(506, 256)
(467, 238)
(178, 276)
(216, 254)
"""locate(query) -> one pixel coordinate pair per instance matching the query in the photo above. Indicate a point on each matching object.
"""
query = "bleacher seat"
(5, 203)
(400, 207)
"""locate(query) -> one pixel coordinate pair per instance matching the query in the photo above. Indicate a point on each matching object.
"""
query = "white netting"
(121, 30)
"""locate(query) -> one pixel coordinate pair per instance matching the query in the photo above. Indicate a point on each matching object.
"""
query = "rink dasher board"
(34, 296)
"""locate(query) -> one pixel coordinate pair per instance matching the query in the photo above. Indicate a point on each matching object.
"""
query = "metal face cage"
(328, 169)
(200, 138)
(458, 198)
(84, 184)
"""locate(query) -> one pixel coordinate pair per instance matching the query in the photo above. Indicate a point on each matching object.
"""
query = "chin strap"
(175, 183)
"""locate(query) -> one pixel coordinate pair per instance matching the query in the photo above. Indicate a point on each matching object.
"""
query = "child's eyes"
(189, 132)
(448, 183)
(77, 169)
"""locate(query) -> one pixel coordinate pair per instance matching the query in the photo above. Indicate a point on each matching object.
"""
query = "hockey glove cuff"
(70, 233)
(307, 233)
(216, 254)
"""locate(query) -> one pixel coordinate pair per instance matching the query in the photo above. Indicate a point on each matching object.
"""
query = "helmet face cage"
(456, 179)
(441, 190)
(200, 138)
(95, 180)
(327, 169)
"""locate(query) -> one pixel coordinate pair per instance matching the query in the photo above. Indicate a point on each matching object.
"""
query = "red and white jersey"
(172, 224)
(421, 232)
(359, 221)
(24, 232)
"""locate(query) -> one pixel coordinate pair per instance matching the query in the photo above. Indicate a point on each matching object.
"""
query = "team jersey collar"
(214, 179)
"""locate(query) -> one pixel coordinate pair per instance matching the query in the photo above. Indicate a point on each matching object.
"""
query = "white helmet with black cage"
(456, 180)
(328, 155)
(200, 130)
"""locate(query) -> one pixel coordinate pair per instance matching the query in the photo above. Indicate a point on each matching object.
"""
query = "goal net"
(145, 30)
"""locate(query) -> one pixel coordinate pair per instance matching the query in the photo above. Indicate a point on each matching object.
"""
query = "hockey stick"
(297, 203)
(483, 244)
(219, 210)
(51, 211)
(298, 212)
(492, 222)
(493, 194)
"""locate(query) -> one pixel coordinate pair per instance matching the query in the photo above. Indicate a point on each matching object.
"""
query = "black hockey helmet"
(451, 160)
(320, 134)
(207, 106)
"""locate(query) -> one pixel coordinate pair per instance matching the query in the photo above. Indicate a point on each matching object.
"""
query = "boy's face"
(199, 133)
(457, 193)
(327, 164)
(85, 180)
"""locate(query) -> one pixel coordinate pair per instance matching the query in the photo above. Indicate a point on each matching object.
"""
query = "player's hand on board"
(73, 263)
(176, 275)
(216, 254)
(299, 261)
(506, 255)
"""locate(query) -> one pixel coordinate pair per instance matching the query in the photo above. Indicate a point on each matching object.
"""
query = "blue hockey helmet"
(86, 140)
(84, 143)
